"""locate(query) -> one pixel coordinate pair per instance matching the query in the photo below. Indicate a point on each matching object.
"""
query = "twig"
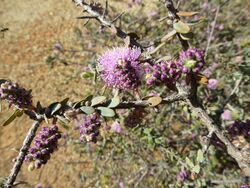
(23, 151)
(106, 23)
(198, 109)
(212, 30)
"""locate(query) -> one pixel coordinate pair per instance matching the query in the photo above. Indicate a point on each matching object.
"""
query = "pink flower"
(212, 84)
(116, 127)
(226, 115)
(120, 68)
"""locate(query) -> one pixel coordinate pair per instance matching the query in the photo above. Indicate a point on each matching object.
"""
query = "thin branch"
(23, 151)
(198, 109)
(106, 23)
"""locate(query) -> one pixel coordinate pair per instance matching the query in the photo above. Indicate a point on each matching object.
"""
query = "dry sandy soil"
(34, 27)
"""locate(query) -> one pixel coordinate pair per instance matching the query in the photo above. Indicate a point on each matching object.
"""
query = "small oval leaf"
(97, 100)
(196, 169)
(186, 14)
(87, 109)
(17, 113)
(200, 156)
(181, 27)
(114, 102)
(154, 101)
(85, 75)
(189, 163)
(106, 112)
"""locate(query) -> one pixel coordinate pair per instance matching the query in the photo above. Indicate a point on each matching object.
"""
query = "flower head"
(116, 127)
(44, 145)
(15, 95)
(120, 68)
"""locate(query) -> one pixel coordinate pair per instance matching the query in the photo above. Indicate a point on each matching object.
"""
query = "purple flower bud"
(116, 127)
(212, 84)
(183, 175)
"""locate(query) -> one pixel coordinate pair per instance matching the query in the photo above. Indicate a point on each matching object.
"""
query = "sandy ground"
(34, 27)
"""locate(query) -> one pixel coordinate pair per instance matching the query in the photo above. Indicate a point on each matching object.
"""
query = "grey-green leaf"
(106, 112)
(97, 100)
(114, 102)
(189, 163)
(200, 156)
(196, 169)
(181, 27)
(87, 109)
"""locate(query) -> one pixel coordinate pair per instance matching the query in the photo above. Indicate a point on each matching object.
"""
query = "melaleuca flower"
(89, 129)
(192, 59)
(226, 115)
(120, 68)
(15, 95)
(44, 145)
(165, 72)
(116, 127)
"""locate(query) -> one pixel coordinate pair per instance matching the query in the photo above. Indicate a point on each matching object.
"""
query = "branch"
(143, 104)
(198, 109)
(105, 22)
(23, 151)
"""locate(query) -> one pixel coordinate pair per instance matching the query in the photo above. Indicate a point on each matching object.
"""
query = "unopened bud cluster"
(168, 72)
(15, 95)
(89, 129)
(44, 145)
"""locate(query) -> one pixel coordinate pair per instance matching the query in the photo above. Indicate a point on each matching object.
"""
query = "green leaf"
(200, 156)
(106, 112)
(85, 75)
(181, 27)
(87, 109)
(114, 102)
(189, 163)
(154, 101)
(17, 113)
(196, 169)
(97, 100)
